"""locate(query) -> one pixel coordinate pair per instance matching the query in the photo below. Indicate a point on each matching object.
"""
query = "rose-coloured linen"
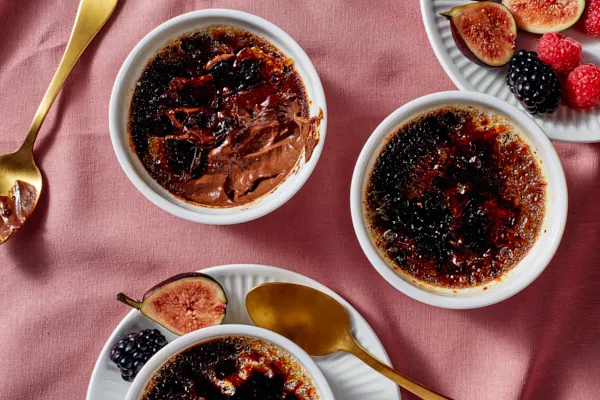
(93, 234)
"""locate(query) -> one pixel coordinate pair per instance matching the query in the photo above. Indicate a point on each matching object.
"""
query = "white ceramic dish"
(538, 257)
(193, 338)
(566, 124)
(348, 377)
(131, 71)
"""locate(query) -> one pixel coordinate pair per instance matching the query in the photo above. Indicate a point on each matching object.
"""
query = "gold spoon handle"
(91, 17)
(403, 381)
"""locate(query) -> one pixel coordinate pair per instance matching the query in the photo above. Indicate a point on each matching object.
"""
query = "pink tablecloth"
(94, 234)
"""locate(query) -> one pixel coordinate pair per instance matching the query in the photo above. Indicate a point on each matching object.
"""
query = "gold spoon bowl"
(320, 325)
(20, 178)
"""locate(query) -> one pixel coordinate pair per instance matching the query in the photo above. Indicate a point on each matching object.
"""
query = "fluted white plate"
(565, 125)
(348, 377)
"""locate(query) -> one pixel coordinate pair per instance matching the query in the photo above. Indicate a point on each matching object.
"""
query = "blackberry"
(534, 84)
(131, 352)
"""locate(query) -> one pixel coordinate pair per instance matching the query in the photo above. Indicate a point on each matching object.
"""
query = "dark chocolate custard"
(221, 117)
(16, 207)
(456, 198)
(234, 368)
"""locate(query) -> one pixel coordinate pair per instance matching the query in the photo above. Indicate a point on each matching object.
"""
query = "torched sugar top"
(456, 198)
(234, 368)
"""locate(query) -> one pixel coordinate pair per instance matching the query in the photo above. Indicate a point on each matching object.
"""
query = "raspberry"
(591, 18)
(561, 53)
(583, 86)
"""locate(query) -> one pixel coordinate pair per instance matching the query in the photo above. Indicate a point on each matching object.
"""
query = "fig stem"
(123, 298)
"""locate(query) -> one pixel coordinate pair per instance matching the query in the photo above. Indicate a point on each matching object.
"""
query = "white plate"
(566, 124)
(348, 377)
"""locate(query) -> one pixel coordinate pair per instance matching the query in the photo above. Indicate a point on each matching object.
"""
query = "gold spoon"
(20, 178)
(319, 324)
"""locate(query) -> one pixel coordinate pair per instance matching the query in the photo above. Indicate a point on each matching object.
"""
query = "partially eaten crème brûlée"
(221, 118)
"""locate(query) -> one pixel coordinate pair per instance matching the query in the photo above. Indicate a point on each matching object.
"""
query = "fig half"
(542, 16)
(486, 30)
(183, 303)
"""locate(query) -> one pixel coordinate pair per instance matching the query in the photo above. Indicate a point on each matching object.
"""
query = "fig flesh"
(485, 30)
(542, 16)
(183, 303)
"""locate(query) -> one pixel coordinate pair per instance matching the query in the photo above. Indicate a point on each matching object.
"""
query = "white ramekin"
(123, 91)
(143, 377)
(534, 262)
